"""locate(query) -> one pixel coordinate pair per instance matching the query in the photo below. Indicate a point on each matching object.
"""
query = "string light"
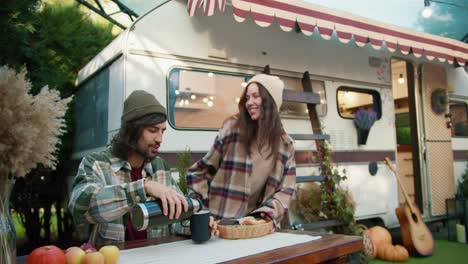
(401, 80)
(427, 11)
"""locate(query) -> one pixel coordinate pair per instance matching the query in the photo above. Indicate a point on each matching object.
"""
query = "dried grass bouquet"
(30, 126)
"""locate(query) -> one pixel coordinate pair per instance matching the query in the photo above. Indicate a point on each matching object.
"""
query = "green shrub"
(403, 135)
(184, 160)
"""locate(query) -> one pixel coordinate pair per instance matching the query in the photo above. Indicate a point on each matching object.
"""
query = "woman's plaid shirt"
(221, 178)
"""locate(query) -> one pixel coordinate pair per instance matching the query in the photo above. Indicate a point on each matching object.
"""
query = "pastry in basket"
(250, 220)
(246, 227)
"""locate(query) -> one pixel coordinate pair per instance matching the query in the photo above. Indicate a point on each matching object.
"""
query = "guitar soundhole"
(415, 218)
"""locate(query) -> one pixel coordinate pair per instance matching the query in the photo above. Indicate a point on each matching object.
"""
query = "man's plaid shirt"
(220, 179)
(103, 195)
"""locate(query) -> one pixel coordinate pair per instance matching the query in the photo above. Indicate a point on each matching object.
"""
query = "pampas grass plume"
(30, 126)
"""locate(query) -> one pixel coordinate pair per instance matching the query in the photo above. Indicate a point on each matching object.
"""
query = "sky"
(447, 20)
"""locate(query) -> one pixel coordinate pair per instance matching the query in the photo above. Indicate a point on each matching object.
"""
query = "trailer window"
(201, 99)
(91, 111)
(459, 119)
(349, 100)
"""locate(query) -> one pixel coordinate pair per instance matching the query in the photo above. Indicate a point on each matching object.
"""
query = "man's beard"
(145, 153)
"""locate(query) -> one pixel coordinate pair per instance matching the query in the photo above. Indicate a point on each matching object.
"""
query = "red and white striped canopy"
(347, 27)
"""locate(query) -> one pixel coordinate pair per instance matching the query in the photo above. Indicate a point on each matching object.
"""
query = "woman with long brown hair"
(250, 169)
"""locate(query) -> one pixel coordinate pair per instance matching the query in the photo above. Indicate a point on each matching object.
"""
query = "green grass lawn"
(445, 252)
(20, 231)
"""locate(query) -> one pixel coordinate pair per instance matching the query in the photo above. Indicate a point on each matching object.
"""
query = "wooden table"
(330, 249)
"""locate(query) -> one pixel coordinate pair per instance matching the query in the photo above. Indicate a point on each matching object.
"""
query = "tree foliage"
(18, 21)
(52, 40)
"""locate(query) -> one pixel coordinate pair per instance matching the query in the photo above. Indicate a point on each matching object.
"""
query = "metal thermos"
(150, 214)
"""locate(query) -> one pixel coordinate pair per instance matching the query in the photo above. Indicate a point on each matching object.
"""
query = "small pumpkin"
(380, 236)
(46, 255)
(389, 252)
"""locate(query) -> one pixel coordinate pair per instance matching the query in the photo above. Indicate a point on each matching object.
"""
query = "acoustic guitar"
(417, 238)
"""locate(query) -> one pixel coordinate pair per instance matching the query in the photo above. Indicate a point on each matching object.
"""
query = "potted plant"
(363, 121)
(463, 185)
(459, 209)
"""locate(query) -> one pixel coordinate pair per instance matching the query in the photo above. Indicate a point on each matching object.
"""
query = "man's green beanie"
(139, 104)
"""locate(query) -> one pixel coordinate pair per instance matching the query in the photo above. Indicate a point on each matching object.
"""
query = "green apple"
(111, 254)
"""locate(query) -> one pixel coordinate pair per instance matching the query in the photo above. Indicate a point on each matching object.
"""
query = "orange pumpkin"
(369, 248)
(389, 252)
(380, 236)
(46, 255)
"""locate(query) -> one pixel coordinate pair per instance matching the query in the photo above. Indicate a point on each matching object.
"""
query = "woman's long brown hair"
(267, 130)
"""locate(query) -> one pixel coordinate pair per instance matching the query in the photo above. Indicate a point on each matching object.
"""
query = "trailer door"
(438, 154)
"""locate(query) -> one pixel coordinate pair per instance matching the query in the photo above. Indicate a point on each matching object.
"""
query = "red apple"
(46, 255)
(111, 254)
(74, 255)
(88, 247)
(93, 258)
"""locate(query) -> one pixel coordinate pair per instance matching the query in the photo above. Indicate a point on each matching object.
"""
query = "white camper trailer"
(197, 67)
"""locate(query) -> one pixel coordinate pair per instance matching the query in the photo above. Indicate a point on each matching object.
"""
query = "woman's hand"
(214, 227)
(171, 200)
(267, 218)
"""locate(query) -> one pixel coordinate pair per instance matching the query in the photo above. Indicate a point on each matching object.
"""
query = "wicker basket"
(244, 231)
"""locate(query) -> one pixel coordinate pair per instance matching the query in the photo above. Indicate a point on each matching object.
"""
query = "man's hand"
(171, 200)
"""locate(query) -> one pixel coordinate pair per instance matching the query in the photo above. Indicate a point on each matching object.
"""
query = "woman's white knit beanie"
(273, 85)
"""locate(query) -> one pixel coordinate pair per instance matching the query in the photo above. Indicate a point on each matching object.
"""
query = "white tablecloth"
(213, 251)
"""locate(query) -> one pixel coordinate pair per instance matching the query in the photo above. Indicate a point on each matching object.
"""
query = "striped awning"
(348, 27)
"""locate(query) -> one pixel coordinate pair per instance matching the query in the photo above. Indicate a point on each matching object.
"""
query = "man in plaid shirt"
(111, 182)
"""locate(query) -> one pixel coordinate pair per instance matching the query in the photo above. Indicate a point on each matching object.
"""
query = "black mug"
(200, 226)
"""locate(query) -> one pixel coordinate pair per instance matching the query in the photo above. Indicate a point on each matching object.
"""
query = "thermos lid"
(140, 216)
